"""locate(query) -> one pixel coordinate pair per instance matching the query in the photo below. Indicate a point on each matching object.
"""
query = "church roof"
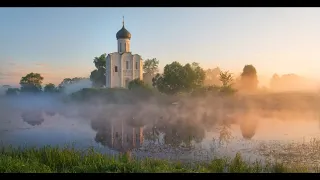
(123, 33)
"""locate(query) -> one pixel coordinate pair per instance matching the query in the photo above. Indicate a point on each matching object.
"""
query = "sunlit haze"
(62, 42)
(238, 90)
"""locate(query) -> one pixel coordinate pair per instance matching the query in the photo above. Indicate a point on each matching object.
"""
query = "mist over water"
(163, 126)
(80, 84)
(2, 91)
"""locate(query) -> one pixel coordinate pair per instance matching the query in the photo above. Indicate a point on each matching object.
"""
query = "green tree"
(12, 91)
(100, 62)
(50, 88)
(199, 75)
(136, 84)
(249, 78)
(31, 83)
(177, 78)
(226, 79)
(98, 76)
(67, 81)
(170, 81)
(212, 77)
(150, 66)
(157, 80)
(63, 83)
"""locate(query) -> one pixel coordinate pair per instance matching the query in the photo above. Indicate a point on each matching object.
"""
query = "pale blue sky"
(62, 42)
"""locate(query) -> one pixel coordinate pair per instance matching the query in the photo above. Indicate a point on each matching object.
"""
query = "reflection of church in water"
(120, 136)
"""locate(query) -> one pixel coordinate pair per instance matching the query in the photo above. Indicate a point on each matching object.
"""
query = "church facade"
(123, 66)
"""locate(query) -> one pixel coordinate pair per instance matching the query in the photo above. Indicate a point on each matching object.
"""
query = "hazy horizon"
(61, 43)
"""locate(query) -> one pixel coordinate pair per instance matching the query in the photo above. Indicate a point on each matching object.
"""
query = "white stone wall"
(139, 64)
(128, 67)
(108, 71)
(113, 70)
(123, 67)
(123, 45)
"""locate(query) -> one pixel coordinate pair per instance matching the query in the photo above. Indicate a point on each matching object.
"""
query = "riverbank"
(64, 160)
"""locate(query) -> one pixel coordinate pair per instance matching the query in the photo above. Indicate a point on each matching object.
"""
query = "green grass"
(63, 160)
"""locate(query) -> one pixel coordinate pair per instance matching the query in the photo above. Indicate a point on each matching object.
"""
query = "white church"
(123, 66)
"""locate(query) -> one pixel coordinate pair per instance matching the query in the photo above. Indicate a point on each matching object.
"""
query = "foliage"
(196, 75)
(68, 81)
(150, 66)
(137, 83)
(12, 91)
(249, 78)
(249, 70)
(204, 90)
(98, 76)
(226, 78)
(177, 78)
(50, 88)
(227, 81)
(212, 77)
(31, 83)
(100, 62)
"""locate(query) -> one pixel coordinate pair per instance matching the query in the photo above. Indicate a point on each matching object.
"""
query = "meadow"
(69, 160)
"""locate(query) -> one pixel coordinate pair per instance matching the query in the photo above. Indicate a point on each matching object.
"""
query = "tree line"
(32, 83)
(176, 78)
